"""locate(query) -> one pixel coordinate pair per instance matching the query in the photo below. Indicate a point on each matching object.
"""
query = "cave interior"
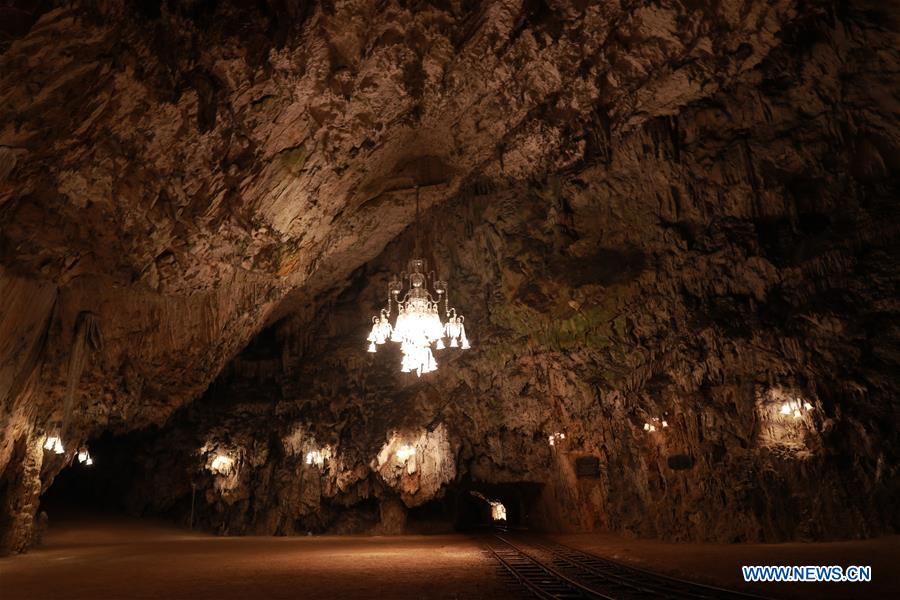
(671, 227)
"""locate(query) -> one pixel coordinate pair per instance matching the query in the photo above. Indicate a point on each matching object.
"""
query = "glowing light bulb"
(665, 424)
(646, 426)
(405, 452)
(315, 457)
(84, 457)
(498, 511)
(221, 464)
(552, 441)
(785, 409)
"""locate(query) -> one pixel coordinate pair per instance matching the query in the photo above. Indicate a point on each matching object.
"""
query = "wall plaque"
(587, 466)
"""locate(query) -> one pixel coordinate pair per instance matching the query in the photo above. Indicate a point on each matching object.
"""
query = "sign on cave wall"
(587, 467)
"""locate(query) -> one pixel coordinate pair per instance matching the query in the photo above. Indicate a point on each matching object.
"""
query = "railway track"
(553, 571)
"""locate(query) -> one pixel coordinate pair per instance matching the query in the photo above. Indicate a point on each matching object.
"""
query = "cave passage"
(101, 488)
(519, 500)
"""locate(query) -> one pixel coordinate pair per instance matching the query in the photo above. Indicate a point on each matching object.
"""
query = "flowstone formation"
(651, 211)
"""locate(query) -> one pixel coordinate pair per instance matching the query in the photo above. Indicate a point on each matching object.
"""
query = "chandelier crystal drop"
(420, 301)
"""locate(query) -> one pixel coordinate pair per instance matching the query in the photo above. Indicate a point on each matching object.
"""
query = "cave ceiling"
(194, 170)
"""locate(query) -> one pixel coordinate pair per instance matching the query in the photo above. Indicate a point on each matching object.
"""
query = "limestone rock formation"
(647, 210)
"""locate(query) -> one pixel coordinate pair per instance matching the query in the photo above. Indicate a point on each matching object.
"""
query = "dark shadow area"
(99, 488)
(472, 508)
(466, 507)
(432, 517)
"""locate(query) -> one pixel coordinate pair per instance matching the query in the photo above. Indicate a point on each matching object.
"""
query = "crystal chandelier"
(419, 299)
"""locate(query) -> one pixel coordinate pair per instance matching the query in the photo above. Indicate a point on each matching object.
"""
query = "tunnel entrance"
(480, 505)
(103, 486)
(476, 506)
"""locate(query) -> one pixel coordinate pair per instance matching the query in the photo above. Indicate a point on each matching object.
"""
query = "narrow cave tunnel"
(449, 299)
(475, 506)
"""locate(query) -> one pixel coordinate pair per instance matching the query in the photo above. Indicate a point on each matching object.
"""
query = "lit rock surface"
(645, 211)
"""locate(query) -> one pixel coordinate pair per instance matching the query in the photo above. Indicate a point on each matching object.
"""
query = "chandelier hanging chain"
(417, 248)
(418, 326)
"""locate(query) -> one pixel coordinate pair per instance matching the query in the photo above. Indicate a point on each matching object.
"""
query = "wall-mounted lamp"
(221, 464)
(318, 456)
(54, 444)
(795, 408)
(405, 452)
(84, 457)
(654, 424)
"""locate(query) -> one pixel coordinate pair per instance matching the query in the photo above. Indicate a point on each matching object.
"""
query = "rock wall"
(646, 210)
(765, 367)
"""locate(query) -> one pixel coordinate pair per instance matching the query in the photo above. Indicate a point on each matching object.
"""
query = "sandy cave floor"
(123, 558)
(128, 558)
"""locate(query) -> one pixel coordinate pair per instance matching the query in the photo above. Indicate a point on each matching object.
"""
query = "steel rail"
(642, 581)
(540, 579)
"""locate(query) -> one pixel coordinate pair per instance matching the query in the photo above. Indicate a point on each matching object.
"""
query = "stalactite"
(87, 337)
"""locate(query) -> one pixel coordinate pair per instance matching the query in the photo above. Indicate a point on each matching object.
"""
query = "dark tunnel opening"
(472, 507)
(480, 505)
(103, 486)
